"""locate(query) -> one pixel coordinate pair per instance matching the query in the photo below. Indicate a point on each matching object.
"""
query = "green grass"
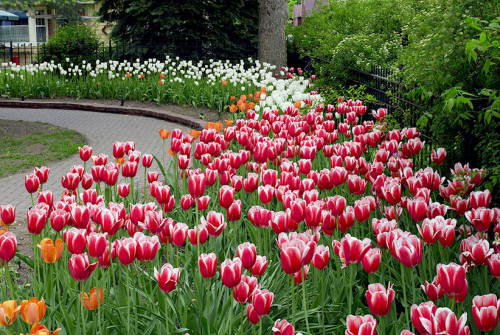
(24, 145)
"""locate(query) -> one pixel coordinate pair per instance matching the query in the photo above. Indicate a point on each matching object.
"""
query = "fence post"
(11, 51)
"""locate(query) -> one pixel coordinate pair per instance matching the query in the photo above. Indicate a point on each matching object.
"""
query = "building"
(19, 39)
(305, 9)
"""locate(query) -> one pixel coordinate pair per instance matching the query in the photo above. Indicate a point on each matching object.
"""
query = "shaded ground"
(188, 110)
(28, 144)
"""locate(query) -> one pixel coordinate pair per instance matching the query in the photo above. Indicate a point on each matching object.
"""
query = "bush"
(75, 42)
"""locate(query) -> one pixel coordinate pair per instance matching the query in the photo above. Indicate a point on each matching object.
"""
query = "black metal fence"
(25, 53)
(389, 92)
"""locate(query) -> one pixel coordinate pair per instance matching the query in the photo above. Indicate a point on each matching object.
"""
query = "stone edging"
(159, 114)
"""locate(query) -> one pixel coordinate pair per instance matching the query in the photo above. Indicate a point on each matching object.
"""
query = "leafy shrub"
(75, 42)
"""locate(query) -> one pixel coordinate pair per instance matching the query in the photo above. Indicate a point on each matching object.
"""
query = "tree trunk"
(272, 44)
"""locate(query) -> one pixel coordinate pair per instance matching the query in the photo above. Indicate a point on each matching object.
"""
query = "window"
(41, 28)
(15, 31)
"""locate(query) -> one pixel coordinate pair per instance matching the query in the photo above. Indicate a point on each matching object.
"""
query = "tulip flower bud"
(230, 271)
(80, 267)
(8, 247)
(167, 277)
(361, 325)
(380, 299)
(207, 265)
(252, 315)
(31, 182)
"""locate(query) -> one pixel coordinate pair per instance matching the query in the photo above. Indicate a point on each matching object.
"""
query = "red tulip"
(203, 202)
(248, 254)
(207, 265)
(445, 322)
(262, 300)
(252, 315)
(418, 209)
(266, 194)
(452, 278)
(321, 257)
(382, 228)
(42, 173)
(8, 247)
(179, 234)
(243, 292)
(391, 191)
(196, 185)
(259, 216)
(433, 290)
(85, 152)
(362, 210)
(475, 250)
(7, 214)
(80, 267)
(87, 181)
(283, 327)
(481, 218)
(494, 265)
(485, 310)
(338, 176)
(361, 325)
(118, 150)
(380, 299)
(234, 211)
(187, 201)
(422, 317)
(31, 182)
(193, 237)
(260, 266)
(167, 277)
(371, 260)
(295, 254)
(75, 240)
(97, 243)
(126, 250)
(480, 199)
(70, 181)
(459, 205)
(430, 231)
(147, 247)
(37, 218)
(407, 249)
(124, 189)
(152, 176)
(230, 271)
(80, 216)
(438, 156)
(59, 219)
(351, 250)
(214, 223)
(110, 223)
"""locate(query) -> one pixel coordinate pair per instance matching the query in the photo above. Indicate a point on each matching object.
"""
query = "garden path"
(101, 131)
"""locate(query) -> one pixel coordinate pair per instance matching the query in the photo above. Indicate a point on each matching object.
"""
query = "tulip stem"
(404, 293)
(241, 315)
(128, 300)
(351, 284)
(292, 290)
(382, 325)
(260, 327)
(82, 289)
(32, 200)
(98, 301)
(304, 298)
(145, 178)
(412, 276)
(13, 291)
(166, 315)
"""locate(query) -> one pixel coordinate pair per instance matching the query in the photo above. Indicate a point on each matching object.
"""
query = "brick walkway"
(101, 131)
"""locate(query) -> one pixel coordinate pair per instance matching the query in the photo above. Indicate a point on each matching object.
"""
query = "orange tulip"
(39, 329)
(243, 98)
(250, 105)
(164, 134)
(3, 231)
(229, 123)
(233, 98)
(195, 133)
(98, 83)
(160, 82)
(263, 89)
(171, 153)
(51, 253)
(296, 104)
(224, 83)
(250, 96)
(233, 108)
(142, 76)
(8, 312)
(162, 76)
(90, 300)
(33, 310)
(128, 74)
(121, 161)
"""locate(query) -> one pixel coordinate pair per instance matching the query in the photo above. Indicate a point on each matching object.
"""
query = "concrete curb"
(159, 114)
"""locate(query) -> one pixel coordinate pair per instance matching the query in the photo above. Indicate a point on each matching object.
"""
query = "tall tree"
(273, 15)
(206, 23)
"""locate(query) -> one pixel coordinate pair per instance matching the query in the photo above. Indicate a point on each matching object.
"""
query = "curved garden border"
(148, 112)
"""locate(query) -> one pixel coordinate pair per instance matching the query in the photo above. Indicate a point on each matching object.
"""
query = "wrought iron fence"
(26, 53)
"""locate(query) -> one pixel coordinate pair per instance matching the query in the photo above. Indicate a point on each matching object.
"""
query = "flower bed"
(225, 242)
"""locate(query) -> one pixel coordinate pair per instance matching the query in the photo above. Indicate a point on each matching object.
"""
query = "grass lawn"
(24, 145)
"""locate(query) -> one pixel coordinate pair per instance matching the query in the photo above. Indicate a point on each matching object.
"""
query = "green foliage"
(353, 34)
(208, 23)
(74, 42)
